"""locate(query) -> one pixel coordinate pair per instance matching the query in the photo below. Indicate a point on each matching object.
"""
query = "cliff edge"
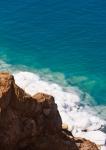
(33, 123)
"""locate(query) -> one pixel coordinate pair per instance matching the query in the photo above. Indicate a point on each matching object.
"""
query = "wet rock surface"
(33, 123)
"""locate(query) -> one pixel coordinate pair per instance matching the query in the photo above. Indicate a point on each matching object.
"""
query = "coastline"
(33, 122)
(80, 119)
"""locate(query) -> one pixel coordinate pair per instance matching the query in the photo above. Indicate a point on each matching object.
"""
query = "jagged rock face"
(32, 123)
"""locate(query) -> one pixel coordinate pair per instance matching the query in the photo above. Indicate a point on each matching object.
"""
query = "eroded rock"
(29, 123)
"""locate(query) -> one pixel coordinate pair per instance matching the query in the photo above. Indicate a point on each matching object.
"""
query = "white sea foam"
(78, 118)
(4, 66)
(68, 102)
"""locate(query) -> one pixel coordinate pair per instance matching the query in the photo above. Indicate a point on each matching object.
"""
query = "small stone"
(70, 128)
(78, 144)
(64, 126)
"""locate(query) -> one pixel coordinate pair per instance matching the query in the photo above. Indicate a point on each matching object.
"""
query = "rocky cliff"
(33, 123)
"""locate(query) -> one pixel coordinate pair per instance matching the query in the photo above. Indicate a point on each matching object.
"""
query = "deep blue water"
(64, 36)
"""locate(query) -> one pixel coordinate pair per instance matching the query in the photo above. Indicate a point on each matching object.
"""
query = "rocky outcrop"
(32, 123)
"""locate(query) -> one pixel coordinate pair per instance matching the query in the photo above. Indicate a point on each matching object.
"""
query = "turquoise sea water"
(64, 38)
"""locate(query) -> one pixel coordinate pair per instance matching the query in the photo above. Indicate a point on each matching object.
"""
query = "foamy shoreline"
(78, 118)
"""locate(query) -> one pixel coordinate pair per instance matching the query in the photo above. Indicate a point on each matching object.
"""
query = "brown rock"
(85, 144)
(6, 81)
(64, 126)
(29, 123)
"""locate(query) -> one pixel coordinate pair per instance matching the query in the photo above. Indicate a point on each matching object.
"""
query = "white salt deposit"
(98, 137)
(103, 148)
(77, 118)
(94, 126)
